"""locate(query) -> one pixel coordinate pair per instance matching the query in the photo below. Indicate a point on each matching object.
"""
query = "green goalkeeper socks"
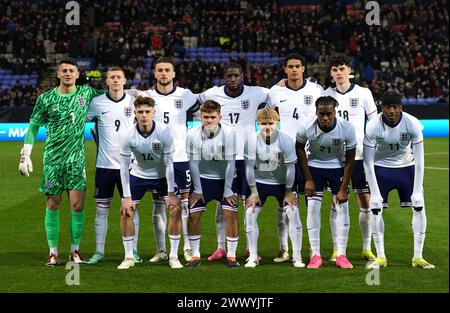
(52, 227)
(76, 226)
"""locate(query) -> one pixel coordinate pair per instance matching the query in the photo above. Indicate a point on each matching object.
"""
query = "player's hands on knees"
(232, 200)
(25, 164)
(342, 196)
(127, 207)
(172, 201)
(290, 199)
(310, 188)
(194, 198)
(252, 202)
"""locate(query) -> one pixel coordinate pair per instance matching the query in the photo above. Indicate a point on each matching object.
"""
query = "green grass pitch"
(23, 247)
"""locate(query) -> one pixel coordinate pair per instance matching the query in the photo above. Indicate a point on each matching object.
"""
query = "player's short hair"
(140, 100)
(210, 106)
(391, 98)
(232, 65)
(339, 59)
(166, 60)
(114, 69)
(267, 114)
(294, 56)
(328, 100)
(68, 61)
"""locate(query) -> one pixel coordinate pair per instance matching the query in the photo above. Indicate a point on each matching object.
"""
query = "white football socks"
(333, 227)
(184, 222)
(282, 229)
(220, 226)
(295, 230)
(101, 227)
(174, 244)
(343, 227)
(377, 226)
(159, 224)
(136, 229)
(419, 226)
(252, 231)
(313, 223)
(364, 225)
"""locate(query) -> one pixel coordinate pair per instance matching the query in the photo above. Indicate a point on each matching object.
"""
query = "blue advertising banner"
(17, 131)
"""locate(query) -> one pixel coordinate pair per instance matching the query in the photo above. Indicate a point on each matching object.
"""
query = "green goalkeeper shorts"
(59, 177)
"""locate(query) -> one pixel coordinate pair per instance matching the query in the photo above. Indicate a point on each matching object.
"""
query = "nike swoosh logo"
(283, 100)
(105, 112)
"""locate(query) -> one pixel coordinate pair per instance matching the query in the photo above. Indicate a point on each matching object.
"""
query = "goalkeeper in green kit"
(62, 110)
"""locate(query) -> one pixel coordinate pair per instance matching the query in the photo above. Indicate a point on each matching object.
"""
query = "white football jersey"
(354, 105)
(393, 144)
(149, 152)
(113, 119)
(296, 107)
(171, 110)
(270, 158)
(238, 112)
(327, 149)
(214, 152)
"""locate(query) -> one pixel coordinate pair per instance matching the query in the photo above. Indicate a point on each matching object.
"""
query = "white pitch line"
(436, 153)
(436, 168)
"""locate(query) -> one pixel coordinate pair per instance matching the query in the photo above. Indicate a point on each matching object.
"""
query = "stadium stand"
(203, 35)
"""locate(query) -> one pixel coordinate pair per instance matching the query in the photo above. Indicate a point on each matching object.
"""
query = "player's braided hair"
(391, 98)
(328, 100)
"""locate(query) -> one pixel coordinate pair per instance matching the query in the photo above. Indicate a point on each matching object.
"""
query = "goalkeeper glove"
(25, 165)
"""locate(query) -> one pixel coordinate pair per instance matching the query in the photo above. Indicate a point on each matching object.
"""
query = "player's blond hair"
(267, 114)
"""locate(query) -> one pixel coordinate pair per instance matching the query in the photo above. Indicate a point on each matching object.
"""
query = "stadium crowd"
(407, 53)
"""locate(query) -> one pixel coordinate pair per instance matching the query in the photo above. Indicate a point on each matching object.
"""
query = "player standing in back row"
(355, 104)
(62, 111)
(113, 114)
(294, 100)
(239, 104)
(172, 105)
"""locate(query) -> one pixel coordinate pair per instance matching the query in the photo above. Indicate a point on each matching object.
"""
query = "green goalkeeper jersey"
(64, 117)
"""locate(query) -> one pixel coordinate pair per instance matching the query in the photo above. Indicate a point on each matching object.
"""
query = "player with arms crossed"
(172, 105)
(270, 170)
(394, 159)
(355, 104)
(212, 155)
(113, 114)
(331, 144)
(151, 143)
(62, 110)
(294, 100)
(239, 104)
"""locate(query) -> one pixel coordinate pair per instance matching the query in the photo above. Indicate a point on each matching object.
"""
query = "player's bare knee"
(230, 214)
(363, 199)
(194, 218)
(77, 206)
(175, 211)
(53, 203)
